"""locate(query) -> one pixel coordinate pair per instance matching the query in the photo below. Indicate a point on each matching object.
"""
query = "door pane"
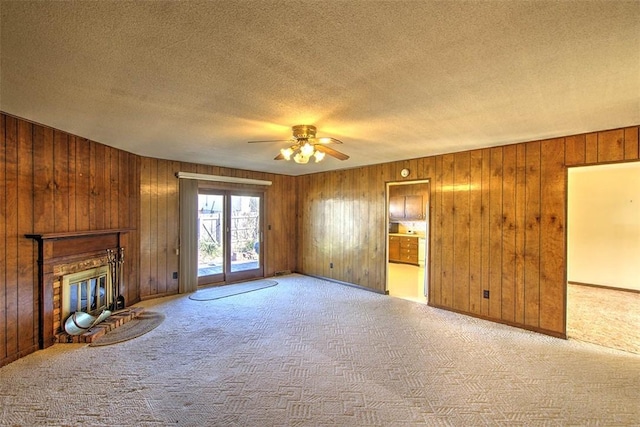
(210, 234)
(245, 233)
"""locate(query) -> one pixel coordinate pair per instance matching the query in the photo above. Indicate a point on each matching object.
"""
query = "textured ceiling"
(194, 81)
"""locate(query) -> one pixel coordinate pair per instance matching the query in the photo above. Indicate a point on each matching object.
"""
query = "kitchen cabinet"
(403, 249)
(394, 248)
(413, 207)
(406, 207)
(396, 207)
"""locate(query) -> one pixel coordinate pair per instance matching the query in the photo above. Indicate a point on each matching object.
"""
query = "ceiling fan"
(305, 145)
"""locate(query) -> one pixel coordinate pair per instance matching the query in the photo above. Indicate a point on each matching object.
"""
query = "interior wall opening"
(603, 255)
(408, 240)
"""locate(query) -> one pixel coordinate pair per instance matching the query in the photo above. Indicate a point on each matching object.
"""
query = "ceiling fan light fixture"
(307, 149)
(305, 145)
(287, 153)
(301, 158)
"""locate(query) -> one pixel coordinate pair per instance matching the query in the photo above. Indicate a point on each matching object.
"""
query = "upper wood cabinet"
(396, 207)
(413, 207)
(406, 207)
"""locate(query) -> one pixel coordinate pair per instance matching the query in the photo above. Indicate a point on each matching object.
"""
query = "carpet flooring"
(309, 352)
(217, 292)
(606, 317)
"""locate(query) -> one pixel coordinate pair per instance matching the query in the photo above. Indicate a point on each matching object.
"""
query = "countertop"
(421, 236)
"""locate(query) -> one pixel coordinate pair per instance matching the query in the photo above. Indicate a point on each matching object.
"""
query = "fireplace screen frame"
(86, 284)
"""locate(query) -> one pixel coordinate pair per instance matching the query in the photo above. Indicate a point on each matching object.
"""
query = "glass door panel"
(211, 238)
(245, 237)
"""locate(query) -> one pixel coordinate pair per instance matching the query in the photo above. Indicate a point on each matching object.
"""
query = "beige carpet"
(606, 317)
(313, 353)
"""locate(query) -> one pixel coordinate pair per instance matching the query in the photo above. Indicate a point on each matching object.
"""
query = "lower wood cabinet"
(403, 249)
(394, 248)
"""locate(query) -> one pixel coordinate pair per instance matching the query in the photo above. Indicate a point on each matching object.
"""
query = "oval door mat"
(218, 292)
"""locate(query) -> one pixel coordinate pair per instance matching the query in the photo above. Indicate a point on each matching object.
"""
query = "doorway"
(603, 255)
(408, 240)
(229, 236)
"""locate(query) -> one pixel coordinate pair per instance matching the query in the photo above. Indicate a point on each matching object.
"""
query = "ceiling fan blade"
(330, 151)
(325, 140)
(279, 157)
(271, 140)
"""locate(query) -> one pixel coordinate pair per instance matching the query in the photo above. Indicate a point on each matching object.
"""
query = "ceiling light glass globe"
(307, 150)
(300, 158)
(286, 153)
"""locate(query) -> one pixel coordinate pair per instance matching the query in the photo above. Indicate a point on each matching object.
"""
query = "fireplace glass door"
(87, 291)
(229, 236)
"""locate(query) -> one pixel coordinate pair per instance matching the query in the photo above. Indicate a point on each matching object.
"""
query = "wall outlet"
(485, 294)
(175, 274)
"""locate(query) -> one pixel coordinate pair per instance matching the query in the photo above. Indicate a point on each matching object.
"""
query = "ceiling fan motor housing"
(304, 131)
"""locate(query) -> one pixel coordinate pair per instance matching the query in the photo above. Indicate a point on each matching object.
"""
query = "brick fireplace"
(61, 255)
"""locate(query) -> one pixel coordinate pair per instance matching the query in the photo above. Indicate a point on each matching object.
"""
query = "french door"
(229, 236)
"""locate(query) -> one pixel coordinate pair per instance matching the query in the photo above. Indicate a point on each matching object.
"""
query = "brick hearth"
(115, 320)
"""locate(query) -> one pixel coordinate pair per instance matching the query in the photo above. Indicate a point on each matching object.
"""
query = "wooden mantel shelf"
(72, 234)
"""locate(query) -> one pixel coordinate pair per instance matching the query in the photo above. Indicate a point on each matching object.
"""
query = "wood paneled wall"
(159, 218)
(497, 221)
(51, 181)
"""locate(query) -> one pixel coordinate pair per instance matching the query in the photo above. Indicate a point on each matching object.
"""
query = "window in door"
(245, 233)
(211, 238)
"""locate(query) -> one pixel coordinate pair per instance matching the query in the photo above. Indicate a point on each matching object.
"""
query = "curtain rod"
(219, 178)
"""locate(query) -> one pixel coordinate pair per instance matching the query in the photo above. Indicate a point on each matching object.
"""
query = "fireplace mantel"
(58, 248)
(73, 234)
